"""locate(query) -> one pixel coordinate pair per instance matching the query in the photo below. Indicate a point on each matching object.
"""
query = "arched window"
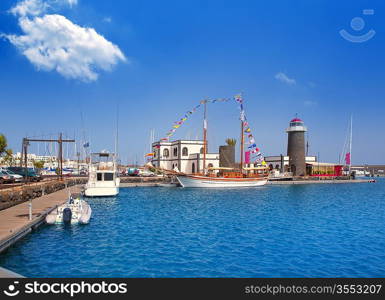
(201, 150)
(277, 167)
(175, 151)
(166, 153)
(271, 166)
(185, 151)
(210, 165)
(193, 168)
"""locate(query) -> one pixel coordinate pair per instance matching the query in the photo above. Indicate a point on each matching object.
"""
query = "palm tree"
(231, 142)
(8, 158)
(3, 144)
(38, 164)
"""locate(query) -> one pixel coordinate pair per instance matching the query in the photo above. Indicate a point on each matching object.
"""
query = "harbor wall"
(15, 195)
(19, 194)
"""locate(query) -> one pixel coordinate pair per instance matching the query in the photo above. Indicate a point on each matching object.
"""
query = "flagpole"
(242, 142)
(204, 136)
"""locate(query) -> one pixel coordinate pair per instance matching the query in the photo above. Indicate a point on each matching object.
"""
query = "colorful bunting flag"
(347, 158)
(247, 157)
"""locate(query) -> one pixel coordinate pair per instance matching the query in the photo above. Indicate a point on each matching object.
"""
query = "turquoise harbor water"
(274, 231)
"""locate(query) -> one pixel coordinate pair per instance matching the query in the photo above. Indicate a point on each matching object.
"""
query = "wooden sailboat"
(225, 177)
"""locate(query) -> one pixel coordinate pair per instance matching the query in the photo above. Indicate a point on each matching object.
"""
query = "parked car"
(132, 171)
(5, 178)
(146, 173)
(31, 173)
(16, 177)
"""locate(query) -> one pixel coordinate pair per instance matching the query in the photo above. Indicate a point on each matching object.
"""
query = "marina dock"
(15, 223)
(4, 273)
(323, 181)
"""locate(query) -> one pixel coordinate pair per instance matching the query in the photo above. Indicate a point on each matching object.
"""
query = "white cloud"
(284, 78)
(310, 103)
(52, 42)
(312, 84)
(38, 7)
(72, 2)
(29, 8)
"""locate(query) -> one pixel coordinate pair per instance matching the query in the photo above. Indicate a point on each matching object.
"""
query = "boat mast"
(350, 143)
(204, 136)
(115, 158)
(242, 142)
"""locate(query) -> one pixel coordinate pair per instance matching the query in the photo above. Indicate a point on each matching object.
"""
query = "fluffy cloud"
(38, 7)
(72, 2)
(30, 8)
(284, 78)
(310, 103)
(52, 42)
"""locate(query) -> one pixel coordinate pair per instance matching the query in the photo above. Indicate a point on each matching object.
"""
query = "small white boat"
(103, 177)
(74, 211)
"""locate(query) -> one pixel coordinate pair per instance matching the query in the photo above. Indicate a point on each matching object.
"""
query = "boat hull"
(80, 213)
(101, 191)
(218, 182)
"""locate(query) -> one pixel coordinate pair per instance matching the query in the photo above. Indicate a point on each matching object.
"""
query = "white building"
(31, 158)
(50, 161)
(186, 155)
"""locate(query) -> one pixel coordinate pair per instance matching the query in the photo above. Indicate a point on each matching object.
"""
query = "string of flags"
(253, 153)
(184, 118)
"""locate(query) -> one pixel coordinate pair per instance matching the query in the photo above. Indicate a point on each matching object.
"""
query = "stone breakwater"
(16, 195)
(19, 194)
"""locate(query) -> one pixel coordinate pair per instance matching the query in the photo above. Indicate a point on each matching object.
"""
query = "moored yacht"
(103, 179)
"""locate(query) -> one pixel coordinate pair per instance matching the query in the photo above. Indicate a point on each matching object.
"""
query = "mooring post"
(30, 209)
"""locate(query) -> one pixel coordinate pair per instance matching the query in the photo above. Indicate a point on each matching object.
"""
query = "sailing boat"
(229, 177)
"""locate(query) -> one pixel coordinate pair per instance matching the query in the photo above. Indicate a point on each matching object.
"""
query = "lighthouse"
(296, 147)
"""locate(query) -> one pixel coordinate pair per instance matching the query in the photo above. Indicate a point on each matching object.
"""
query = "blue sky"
(159, 58)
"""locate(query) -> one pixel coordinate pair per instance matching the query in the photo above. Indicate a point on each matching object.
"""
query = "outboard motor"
(67, 215)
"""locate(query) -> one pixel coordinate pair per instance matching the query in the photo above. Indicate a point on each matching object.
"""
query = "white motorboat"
(74, 211)
(103, 177)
